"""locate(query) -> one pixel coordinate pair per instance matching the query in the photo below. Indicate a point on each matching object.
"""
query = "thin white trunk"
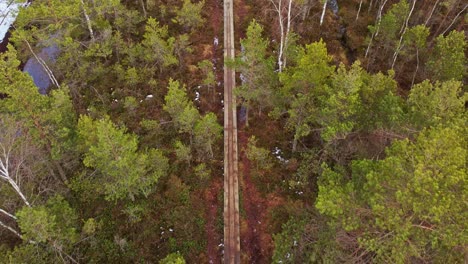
(5, 175)
(11, 229)
(280, 20)
(7, 214)
(144, 8)
(417, 67)
(246, 116)
(370, 6)
(359, 10)
(88, 21)
(379, 19)
(405, 27)
(288, 27)
(432, 12)
(323, 12)
(379, 15)
(456, 17)
(284, 32)
(46, 68)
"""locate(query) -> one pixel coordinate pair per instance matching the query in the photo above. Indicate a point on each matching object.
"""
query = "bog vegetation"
(354, 132)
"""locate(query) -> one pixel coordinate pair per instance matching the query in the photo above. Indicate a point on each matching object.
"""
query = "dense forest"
(352, 132)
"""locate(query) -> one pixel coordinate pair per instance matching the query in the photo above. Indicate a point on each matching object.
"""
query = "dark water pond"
(8, 13)
(37, 72)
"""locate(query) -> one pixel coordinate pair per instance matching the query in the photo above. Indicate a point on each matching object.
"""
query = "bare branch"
(455, 19)
(88, 21)
(8, 214)
(11, 229)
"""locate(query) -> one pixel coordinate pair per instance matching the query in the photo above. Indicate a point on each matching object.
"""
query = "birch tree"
(50, 119)
(402, 34)
(285, 10)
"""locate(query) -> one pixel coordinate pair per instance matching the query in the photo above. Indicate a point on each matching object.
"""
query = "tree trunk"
(456, 17)
(432, 12)
(417, 67)
(46, 68)
(359, 10)
(294, 146)
(379, 18)
(144, 8)
(323, 12)
(405, 27)
(88, 21)
(246, 116)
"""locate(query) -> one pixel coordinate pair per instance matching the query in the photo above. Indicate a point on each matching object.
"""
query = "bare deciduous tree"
(285, 18)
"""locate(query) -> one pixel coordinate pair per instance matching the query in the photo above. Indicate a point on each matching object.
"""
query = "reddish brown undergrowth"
(256, 243)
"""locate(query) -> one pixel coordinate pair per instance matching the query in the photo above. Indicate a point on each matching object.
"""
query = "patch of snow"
(8, 13)
(243, 78)
(36, 70)
(277, 152)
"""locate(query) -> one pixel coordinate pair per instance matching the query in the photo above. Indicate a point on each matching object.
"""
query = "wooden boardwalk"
(231, 179)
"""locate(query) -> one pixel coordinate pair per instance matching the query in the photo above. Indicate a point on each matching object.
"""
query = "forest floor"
(255, 241)
(214, 234)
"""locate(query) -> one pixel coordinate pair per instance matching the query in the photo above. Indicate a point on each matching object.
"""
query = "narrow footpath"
(231, 179)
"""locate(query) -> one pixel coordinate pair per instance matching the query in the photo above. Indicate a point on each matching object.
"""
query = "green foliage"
(180, 108)
(28, 253)
(256, 68)
(51, 119)
(417, 36)
(207, 133)
(158, 45)
(304, 178)
(342, 102)
(202, 172)
(173, 258)
(125, 171)
(311, 72)
(183, 152)
(411, 204)
(307, 239)
(431, 104)
(90, 226)
(206, 67)
(303, 84)
(448, 60)
(53, 223)
(381, 107)
(390, 25)
(189, 15)
(286, 242)
(260, 157)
